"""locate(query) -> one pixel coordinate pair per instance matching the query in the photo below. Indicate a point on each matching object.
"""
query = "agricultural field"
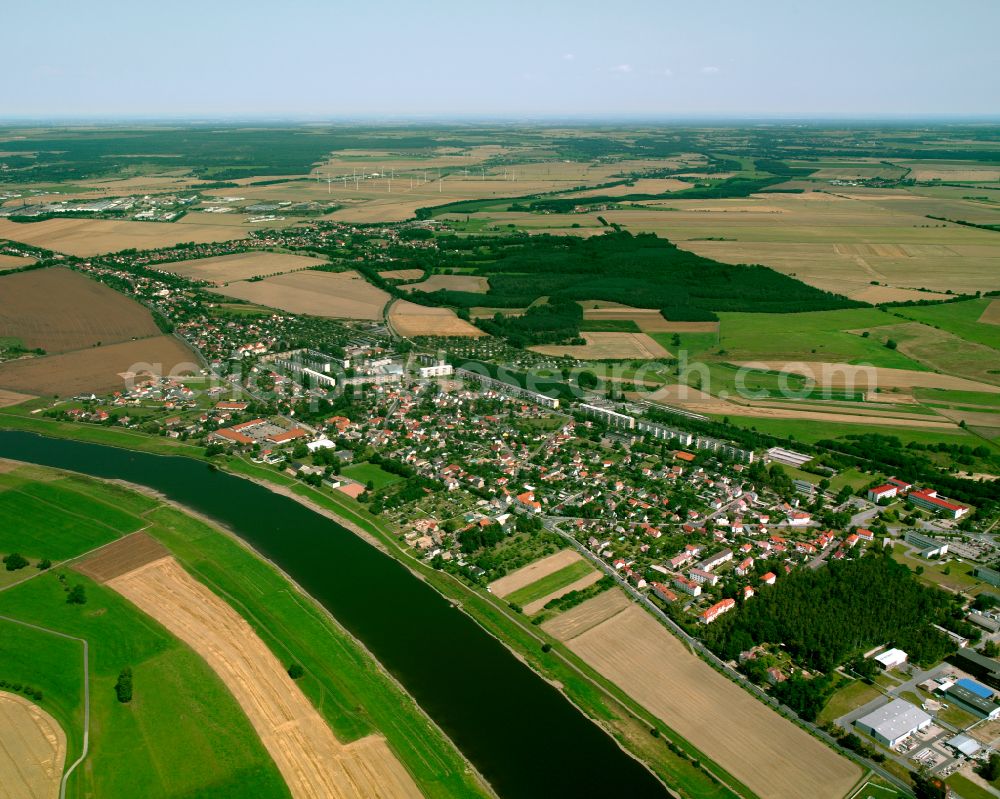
(409, 319)
(14, 261)
(533, 572)
(450, 283)
(634, 651)
(575, 577)
(241, 266)
(608, 346)
(181, 742)
(59, 310)
(98, 370)
(311, 760)
(32, 749)
(338, 295)
(87, 237)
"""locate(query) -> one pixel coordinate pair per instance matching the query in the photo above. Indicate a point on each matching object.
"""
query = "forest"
(639, 270)
(826, 616)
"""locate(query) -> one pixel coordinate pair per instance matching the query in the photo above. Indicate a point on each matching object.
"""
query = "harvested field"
(241, 266)
(402, 274)
(862, 378)
(312, 761)
(8, 398)
(766, 752)
(451, 283)
(14, 261)
(122, 556)
(526, 575)
(99, 369)
(409, 319)
(32, 750)
(339, 295)
(584, 582)
(991, 316)
(600, 346)
(589, 614)
(59, 310)
(86, 237)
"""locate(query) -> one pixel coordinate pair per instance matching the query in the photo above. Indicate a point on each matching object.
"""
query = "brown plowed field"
(122, 556)
(60, 310)
(534, 571)
(14, 261)
(312, 761)
(240, 266)
(99, 369)
(766, 752)
(32, 750)
(341, 295)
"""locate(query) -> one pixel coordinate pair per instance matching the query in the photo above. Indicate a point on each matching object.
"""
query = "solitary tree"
(77, 595)
(15, 561)
(123, 687)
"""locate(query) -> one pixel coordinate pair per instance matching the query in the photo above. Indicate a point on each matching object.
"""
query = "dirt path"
(32, 750)
(309, 757)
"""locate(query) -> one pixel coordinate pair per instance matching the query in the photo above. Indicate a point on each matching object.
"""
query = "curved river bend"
(519, 731)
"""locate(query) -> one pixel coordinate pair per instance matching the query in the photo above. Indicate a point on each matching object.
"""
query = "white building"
(892, 722)
(890, 659)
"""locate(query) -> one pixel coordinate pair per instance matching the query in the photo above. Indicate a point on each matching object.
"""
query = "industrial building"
(890, 659)
(892, 722)
(985, 668)
(974, 697)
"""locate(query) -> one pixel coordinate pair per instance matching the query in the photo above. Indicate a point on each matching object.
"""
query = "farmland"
(635, 652)
(86, 237)
(342, 295)
(242, 266)
(311, 760)
(59, 310)
(210, 729)
(32, 751)
(539, 569)
(409, 319)
(601, 346)
(99, 369)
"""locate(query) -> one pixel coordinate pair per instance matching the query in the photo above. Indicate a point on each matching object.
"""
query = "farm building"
(892, 722)
(890, 659)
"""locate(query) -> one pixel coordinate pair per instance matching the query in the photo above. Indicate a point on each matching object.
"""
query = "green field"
(182, 735)
(551, 582)
(967, 788)
(813, 336)
(810, 431)
(960, 318)
(51, 520)
(366, 473)
(853, 695)
(691, 343)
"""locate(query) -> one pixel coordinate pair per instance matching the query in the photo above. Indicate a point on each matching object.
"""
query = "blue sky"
(304, 58)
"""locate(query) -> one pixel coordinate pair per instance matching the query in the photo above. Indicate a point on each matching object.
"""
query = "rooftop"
(895, 719)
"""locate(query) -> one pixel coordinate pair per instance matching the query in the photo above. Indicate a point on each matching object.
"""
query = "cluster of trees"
(14, 561)
(825, 616)
(123, 686)
(554, 322)
(574, 598)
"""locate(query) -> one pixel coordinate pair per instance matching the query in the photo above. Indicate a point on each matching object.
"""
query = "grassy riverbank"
(601, 700)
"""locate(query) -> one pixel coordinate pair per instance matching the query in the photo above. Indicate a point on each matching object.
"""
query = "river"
(520, 732)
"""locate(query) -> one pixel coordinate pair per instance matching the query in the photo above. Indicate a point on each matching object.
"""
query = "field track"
(766, 752)
(32, 750)
(313, 763)
(533, 572)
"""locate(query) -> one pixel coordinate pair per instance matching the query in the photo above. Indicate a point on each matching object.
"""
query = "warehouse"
(969, 695)
(891, 723)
